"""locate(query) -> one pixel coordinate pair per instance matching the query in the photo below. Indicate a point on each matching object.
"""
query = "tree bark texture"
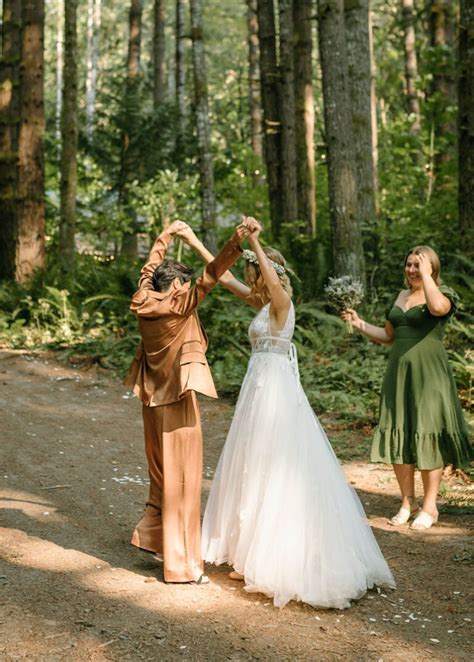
(304, 114)
(180, 76)
(94, 13)
(159, 82)
(30, 250)
(69, 133)
(466, 124)
(59, 69)
(130, 157)
(411, 66)
(206, 169)
(269, 78)
(356, 20)
(9, 126)
(288, 180)
(348, 254)
(254, 79)
(443, 90)
(373, 114)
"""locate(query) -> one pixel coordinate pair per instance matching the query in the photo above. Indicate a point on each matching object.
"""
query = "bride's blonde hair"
(252, 273)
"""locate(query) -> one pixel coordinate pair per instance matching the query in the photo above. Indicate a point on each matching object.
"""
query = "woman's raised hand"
(424, 265)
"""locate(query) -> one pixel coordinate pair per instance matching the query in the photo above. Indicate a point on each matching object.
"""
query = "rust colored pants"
(171, 523)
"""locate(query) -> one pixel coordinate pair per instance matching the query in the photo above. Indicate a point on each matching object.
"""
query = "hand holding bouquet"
(344, 292)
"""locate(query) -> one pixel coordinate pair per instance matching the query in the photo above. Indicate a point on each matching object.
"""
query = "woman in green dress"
(421, 421)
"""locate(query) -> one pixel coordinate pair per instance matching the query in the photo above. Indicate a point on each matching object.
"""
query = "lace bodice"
(261, 336)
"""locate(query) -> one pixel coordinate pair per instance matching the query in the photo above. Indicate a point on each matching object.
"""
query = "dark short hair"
(167, 271)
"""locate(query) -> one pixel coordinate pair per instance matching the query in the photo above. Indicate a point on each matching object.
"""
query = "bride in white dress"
(280, 510)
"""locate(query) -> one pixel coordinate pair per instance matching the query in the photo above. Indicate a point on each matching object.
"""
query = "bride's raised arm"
(280, 300)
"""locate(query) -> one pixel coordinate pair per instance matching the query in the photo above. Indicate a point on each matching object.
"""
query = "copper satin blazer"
(171, 358)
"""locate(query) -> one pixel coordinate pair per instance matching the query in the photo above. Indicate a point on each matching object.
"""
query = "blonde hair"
(252, 273)
(432, 257)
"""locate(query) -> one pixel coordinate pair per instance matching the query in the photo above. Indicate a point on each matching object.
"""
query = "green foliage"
(76, 321)
(88, 315)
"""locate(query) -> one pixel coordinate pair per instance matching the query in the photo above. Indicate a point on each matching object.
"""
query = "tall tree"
(466, 124)
(180, 76)
(288, 181)
(206, 168)
(254, 79)
(269, 77)
(356, 20)
(411, 65)
(59, 68)
(130, 157)
(159, 88)
(348, 254)
(94, 18)
(373, 113)
(443, 91)
(30, 251)
(69, 132)
(9, 126)
(304, 113)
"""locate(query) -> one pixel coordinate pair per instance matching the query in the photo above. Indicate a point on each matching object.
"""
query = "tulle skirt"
(280, 510)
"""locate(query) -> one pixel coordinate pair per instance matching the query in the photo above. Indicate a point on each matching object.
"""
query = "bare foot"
(236, 575)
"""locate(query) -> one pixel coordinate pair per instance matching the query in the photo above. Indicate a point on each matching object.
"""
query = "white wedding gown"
(280, 510)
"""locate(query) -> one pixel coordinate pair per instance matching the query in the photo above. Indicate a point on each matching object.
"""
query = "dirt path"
(74, 478)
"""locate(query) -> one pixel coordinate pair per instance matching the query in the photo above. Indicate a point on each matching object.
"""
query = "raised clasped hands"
(251, 228)
(187, 235)
(245, 229)
(177, 226)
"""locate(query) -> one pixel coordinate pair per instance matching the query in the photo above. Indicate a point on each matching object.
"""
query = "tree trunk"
(30, 250)
(411, 67)
(443, 92)
(348, 254)
(69, 131)
(59, 69)
(94, 11)
(466, 125)
(206, 170)
(373, 115)
(180, 77)
(9, 126)
(130, 157)
(159, 81)
(269, 78)
(288, 182)
(356, 20)
(304, 114)
(254, 79)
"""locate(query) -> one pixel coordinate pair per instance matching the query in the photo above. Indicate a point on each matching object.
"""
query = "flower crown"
(250, 256)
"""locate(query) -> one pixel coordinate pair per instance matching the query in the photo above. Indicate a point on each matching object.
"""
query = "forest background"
(347, 128)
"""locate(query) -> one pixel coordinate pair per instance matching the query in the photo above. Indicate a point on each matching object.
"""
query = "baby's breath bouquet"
(344, 292)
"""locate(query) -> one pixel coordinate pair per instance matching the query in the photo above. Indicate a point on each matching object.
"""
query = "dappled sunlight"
(36, 553)
(195, 608)
(31, 505)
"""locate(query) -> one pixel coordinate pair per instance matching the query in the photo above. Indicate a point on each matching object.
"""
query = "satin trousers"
(171, 523)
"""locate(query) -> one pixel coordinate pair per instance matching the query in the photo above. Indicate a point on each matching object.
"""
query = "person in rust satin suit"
(168, 369)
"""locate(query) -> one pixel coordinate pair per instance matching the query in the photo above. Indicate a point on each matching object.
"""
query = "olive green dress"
(421, 420)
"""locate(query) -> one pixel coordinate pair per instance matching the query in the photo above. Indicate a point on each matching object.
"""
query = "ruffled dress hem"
(427, 450)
